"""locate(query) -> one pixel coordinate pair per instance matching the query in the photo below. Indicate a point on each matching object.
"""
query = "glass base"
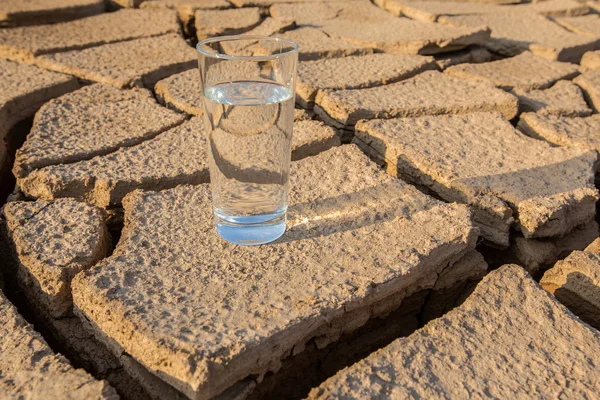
(251, 230)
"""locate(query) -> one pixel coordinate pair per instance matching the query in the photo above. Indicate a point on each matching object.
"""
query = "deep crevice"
(300, 373)
(14, 140)
(307, 370)
(115, 224)
(125, 385)
(17, 297)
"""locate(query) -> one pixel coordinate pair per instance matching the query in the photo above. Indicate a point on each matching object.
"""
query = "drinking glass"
(249, 88)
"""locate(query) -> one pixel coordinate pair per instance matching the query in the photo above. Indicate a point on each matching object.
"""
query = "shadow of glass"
(542, 181)
(373, 205)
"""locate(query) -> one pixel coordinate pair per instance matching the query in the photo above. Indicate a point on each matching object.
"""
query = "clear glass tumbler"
(248, 86)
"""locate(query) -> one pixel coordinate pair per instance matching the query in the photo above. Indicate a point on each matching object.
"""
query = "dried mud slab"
(515, 32)
(178, 156)
(38, 12)
(472, 55)
(226, 22)
(269, 27)
(304, 286)
(31, 370)
(470, 267)
(564, 99)
(479, 159)
(125, 3)
(587, 24)
(266, 3)
(405, 36)
(25, 88)
(447, 294)
(575, 282)
(594, 247)
(426, 10)
(594, 5)
(182, 5)
(568, 132)
(590, 83)
(186, 9)
(552, 8)
(591, 60)
(430, 93)
(134, 63)
(181, 92)
(86, 351)
(430, 11)
(311, 138)
(525, 71)
(22, 44)
(354, 10)
(175, 157)
(93, 120)
(508, 320)
(303, 115)
(47, 243)
(363, 11)
(384, 3)
(314, 44)
(313, 13)
(52, 242)
(498, 2)
(355, 72)
(536, 254)
(365, 24)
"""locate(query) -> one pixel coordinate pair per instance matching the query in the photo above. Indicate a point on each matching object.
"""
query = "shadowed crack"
(99, 356)
(307, 368)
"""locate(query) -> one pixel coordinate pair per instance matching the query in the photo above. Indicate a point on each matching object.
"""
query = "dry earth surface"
(444, 160)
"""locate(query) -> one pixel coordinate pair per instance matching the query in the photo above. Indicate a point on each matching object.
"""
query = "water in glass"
(249, 128)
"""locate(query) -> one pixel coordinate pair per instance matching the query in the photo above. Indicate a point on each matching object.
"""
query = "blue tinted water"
(249, 128)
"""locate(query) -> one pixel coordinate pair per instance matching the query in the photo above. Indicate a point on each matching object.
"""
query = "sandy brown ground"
(433, 142)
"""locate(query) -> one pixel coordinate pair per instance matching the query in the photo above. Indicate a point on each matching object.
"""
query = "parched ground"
(442, 242)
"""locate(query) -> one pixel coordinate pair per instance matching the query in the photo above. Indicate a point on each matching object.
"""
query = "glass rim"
(219, 55)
